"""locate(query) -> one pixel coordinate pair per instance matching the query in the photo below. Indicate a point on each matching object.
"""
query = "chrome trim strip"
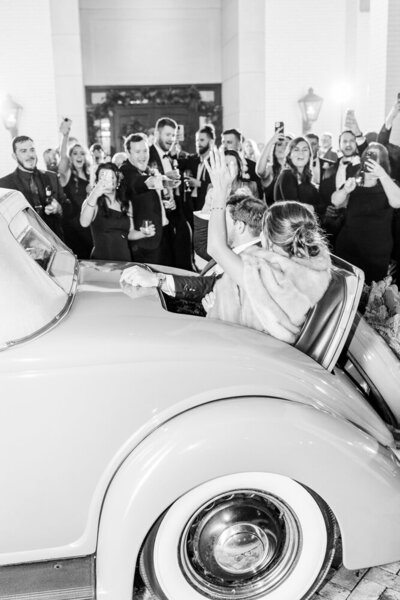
(84, 593)
(65, 579)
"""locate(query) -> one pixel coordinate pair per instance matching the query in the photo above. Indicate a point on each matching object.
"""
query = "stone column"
(69, 89)
(243, 66)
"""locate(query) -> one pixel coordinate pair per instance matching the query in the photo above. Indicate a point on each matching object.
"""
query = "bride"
(270, 288)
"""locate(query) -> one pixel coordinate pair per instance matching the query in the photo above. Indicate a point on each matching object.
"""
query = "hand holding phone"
(65, 126)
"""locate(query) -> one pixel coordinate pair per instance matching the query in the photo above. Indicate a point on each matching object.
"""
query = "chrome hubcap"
(242, 548)
(240, 545)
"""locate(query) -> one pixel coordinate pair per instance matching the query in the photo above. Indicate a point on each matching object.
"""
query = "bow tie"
(166, 155)
(351, 160)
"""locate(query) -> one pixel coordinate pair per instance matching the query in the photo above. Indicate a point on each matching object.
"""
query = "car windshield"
(38, 272)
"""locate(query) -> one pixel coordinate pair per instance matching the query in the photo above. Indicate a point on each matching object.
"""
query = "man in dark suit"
(232, 139)
(244, 216)
(42, 189)
(141, 189)
(179, 231)
(199, 179)
(352, 144)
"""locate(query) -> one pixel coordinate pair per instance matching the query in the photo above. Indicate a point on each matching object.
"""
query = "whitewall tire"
(245, 536)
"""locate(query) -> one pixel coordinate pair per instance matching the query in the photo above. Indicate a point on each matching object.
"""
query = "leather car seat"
(328, 323)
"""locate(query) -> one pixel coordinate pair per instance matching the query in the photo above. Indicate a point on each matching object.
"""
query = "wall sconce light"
(310, 106)
(11, 114)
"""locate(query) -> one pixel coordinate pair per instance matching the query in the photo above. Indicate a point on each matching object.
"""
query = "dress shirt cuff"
(168, 286)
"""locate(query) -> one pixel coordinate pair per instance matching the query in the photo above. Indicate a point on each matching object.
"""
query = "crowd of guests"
(152, 203)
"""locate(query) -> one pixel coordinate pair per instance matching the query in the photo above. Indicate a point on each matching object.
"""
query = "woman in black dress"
(294, 181)
(271, 162)
(73, 170)
(109, 216)
(366, 239)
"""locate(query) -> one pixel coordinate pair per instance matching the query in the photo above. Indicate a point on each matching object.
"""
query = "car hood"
(107, 326)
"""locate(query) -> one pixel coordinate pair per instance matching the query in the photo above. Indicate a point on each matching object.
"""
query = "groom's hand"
(137, 276)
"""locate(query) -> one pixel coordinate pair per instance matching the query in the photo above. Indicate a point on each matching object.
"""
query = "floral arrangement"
(383, 312)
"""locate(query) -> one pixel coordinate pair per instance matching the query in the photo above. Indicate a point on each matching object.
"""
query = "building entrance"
(115, 113)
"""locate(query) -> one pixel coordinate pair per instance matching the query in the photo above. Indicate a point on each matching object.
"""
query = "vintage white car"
(141, 448)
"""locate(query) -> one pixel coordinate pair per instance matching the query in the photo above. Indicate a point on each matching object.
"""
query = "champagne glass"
(146, 224)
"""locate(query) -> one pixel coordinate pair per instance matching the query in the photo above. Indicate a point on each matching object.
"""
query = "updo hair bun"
(293, 227)
(307, 241)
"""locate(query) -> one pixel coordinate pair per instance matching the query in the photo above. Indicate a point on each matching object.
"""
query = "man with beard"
(352, 144)
(194, 165)
(179, 231)
(244, 216)
(42, 189)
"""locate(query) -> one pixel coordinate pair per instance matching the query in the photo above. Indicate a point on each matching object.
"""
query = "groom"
(244, 216)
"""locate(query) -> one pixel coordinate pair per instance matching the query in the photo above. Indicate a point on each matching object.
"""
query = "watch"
(161, 277)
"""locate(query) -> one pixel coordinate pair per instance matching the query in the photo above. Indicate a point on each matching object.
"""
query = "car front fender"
(353, 474)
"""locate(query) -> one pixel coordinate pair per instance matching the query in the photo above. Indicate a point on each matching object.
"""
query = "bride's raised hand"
(221, 175)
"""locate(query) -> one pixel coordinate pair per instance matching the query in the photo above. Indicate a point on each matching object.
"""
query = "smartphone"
(371, 154)
(106, 175)
(279, 126)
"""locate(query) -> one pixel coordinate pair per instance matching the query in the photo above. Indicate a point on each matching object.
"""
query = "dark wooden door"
(141, 118)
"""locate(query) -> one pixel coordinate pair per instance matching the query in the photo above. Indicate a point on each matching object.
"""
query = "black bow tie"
(166, 155)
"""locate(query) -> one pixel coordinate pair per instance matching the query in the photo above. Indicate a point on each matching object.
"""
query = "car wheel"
(246, 536)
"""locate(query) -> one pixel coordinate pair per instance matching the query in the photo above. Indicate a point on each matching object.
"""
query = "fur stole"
(277, 292)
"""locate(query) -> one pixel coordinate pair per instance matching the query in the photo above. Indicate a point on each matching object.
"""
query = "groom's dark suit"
(195, 287)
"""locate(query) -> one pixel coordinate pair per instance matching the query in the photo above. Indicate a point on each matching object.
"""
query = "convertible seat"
(328, 323)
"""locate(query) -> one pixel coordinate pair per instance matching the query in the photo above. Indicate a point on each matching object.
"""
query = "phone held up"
(279, 126)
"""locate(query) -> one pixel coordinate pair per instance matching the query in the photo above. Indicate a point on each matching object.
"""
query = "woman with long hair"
(295, 180)
(271, 162)
(366, 238)
(270, 288)
(74, 170)
(109, 215)
(251, 150)
(233, 161)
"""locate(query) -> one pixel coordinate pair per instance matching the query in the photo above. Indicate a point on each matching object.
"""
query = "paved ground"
(378, 583)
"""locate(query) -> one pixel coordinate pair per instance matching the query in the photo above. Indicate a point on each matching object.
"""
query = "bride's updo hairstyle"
(293, 227)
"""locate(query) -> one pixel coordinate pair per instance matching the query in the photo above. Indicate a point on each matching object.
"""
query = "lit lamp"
(310, 106)
(10, 114)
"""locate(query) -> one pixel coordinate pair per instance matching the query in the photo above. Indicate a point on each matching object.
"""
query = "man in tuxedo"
(140, 188)
(179, 231)
(199, 179)
(42, 189)
(232, 139)
(352, 144)
(244, 215)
